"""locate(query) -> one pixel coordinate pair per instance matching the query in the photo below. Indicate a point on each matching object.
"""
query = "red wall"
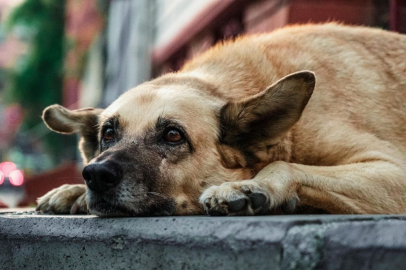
(267, 15)
(38, 185)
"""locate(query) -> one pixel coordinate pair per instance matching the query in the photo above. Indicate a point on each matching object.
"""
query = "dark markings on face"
(140, 156)
(110, 133)
(143, 182)
(155, 140)
(203, 184)
(156, 205)
(164, 125)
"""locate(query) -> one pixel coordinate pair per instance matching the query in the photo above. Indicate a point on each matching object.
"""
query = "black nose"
(102, 176)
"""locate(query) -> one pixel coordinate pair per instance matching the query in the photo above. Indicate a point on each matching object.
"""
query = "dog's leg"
(66, 199)
(375, 187)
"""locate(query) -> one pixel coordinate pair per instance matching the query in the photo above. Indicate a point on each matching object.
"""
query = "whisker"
(156, 194)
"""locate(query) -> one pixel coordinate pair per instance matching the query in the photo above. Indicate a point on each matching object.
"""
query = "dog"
(308, 118)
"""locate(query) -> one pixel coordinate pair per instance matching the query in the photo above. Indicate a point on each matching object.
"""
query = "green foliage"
(37, 80)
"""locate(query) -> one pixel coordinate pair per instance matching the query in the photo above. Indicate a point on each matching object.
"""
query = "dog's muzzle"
(102, 176)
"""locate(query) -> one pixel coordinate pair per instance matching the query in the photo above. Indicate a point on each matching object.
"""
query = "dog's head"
(157, 147)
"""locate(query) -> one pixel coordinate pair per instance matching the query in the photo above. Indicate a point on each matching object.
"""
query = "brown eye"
(109, 134)
(173, 136)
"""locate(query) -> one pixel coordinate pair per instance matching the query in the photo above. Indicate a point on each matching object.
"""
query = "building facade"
(147, 38)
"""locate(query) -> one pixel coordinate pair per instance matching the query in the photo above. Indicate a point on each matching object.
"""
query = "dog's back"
(359, 101)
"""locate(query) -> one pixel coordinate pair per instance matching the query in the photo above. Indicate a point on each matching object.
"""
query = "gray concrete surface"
(29, 241)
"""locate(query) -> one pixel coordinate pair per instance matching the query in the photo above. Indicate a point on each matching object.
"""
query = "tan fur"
(67, 199)
(346, 154)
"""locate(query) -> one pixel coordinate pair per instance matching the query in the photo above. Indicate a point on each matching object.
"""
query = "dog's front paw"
(67, 199)
(236, 198)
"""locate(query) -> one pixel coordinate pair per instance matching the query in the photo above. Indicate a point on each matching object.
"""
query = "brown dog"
(216, 137)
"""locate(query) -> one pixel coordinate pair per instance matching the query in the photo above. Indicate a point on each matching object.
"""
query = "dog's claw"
(246, 189)
(207, 203)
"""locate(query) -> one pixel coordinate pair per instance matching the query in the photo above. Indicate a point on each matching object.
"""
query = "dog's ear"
(254, 123)
(82, 121)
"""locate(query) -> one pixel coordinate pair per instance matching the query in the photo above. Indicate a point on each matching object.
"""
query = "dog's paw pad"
(235, 198)
(257, 200)
(237, 205)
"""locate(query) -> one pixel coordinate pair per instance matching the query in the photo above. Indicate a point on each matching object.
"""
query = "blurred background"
(86, 53)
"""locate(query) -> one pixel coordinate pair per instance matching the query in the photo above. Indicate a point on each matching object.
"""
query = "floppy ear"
(82, 121)
(254, 123)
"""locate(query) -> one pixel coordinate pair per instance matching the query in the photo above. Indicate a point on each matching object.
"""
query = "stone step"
(31, 241)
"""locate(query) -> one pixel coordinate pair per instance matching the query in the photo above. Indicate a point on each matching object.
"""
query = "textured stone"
(200, 242)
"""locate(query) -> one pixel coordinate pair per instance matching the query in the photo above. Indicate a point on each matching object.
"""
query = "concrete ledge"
(267, 242)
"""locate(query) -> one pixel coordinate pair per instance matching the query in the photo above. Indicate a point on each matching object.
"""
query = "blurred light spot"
(7, 167)
(16, 178)
(1, 177)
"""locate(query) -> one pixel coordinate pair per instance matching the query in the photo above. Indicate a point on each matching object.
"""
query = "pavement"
(357, 242)
(17, 209)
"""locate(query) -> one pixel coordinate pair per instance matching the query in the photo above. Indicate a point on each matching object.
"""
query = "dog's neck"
(224, 71)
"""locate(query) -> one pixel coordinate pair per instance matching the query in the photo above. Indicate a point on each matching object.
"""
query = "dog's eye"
(173, 136)
(109, 134)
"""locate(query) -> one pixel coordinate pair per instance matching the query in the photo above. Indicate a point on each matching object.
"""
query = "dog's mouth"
(103, 208)
(106, 207)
